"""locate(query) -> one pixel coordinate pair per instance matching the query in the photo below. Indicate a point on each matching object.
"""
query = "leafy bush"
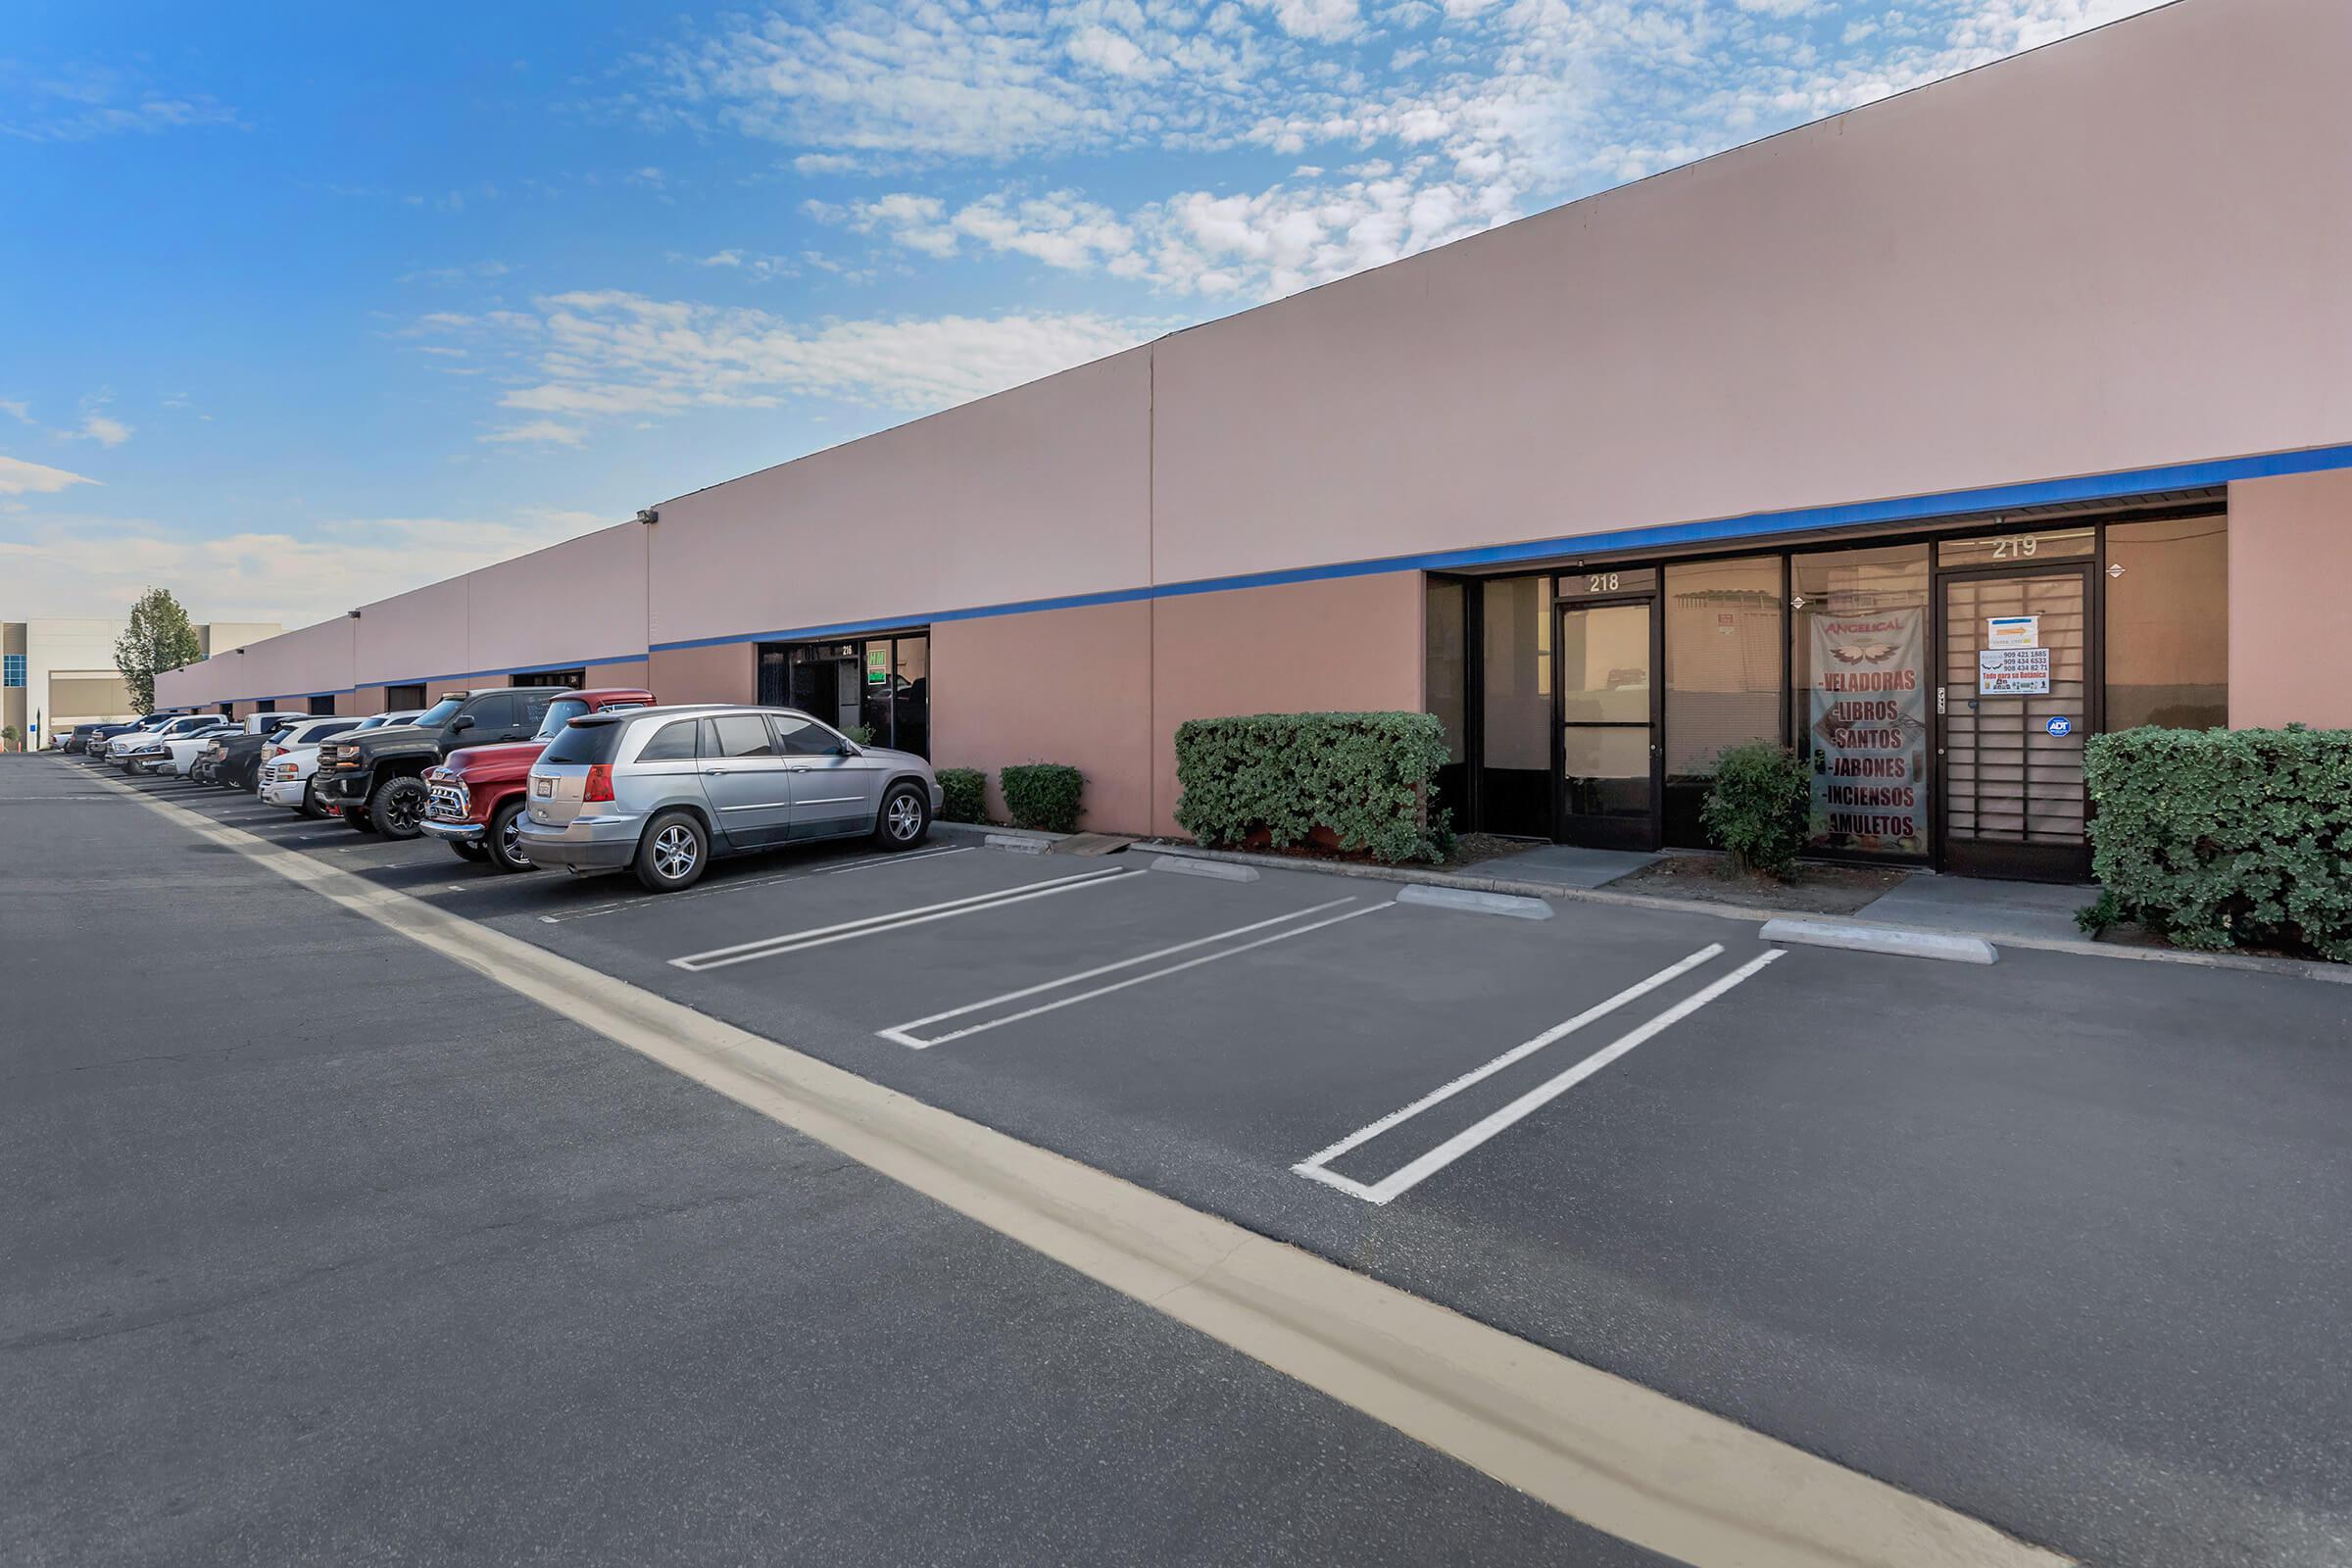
(2105, 911)
(1041, 796)
(863, 734)
(1760, 808)
(1366, 778)
(2227, 838)
(964, 795)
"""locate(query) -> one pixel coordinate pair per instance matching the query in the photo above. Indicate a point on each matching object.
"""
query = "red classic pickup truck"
(475, 796)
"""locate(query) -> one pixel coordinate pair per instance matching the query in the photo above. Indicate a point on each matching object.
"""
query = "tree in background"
(159, 638)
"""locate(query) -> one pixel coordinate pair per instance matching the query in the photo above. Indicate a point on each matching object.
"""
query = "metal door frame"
(2036, 862)
(1645, 833)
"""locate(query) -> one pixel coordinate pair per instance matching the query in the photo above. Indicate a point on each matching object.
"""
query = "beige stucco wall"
(1344, 644)
(411, 636)
(2290, 600)
(1032, 494)
(727, 673)
(1060, 686)
(1953, 288)
(634, 673)
(579, 599)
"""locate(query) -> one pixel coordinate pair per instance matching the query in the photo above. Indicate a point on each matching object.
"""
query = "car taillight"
(268, 752)
(599, 783)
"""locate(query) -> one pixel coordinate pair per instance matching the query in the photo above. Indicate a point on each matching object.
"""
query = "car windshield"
(439, 713)
(559, 713)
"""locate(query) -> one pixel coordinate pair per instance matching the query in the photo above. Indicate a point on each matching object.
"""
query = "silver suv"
(663, 789)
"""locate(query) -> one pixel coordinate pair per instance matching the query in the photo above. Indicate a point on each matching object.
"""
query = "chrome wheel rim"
(905, 817)
(675, 852)
(510, 841)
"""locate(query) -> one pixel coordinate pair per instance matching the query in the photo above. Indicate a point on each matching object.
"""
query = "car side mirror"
(846, 749)
(462, 721)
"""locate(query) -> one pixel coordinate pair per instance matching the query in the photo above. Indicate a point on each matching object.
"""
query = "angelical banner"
(1870, 730)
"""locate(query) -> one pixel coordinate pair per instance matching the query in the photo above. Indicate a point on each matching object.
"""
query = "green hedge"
(2227, 838)
(964, 795)
(1043, 796)
(1365, 778)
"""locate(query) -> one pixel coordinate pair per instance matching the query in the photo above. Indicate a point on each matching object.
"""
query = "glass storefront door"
(1607, 656)
(2015, 689)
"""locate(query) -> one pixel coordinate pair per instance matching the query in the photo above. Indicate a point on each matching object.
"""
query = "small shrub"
(2094, 918)
(964, 795)
(863, 734)
(2227, 838)
(1760, 808)
(1043, 796)
(1364, 778)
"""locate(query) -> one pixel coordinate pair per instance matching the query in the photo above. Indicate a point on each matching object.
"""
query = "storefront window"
(2167, 623)
(1515, 710)
(1724, 642)
(878, 685)
(1861, 688)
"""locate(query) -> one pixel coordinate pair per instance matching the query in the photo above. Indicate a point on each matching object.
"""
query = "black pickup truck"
(375, 778)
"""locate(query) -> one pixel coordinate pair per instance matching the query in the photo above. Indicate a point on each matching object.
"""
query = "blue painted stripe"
(1749, 525)
(1754, 525)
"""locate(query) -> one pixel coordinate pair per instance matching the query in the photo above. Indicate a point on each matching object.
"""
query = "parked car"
(181, 750)
(112, 750)
(77, 740)
(376, 779)
(475, 800)
(237, 760)
(663, 789)
(148, 750)
(102, 736)
(286, 778)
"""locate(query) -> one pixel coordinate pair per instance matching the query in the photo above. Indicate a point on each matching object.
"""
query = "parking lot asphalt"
(2057, 1242)
(322, 1248)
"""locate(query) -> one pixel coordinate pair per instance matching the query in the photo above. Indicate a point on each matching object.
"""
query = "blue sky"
(305, 305)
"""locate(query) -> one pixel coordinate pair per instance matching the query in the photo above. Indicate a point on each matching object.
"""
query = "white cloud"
(610, 354)
(18, 477)
(97, 565)
(22, 412)
(539, 432)
(106, 431)
(83, 104)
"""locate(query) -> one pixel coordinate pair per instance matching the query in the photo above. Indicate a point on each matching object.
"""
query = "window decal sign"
(2013, 672)
(2012, 631)
(1870, 730)
(877, 666)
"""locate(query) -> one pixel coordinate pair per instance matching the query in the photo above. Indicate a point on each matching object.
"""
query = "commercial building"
(56, 674)
(1929, 439)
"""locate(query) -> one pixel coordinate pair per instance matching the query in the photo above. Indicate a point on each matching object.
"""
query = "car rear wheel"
(672, 853)
(309, 805)
(504, 840)
(906, 818)
(397, 807)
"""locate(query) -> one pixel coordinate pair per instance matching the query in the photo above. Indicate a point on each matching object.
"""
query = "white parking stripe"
(869, 863)
(902, 1033)
(875, 925)
(1552, 1036)
(1414, 1172)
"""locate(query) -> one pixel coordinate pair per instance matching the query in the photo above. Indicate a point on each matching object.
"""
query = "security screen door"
(2015, 705)
(1608, 724)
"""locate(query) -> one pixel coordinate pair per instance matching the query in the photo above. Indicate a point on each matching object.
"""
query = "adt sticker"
(2060, 727)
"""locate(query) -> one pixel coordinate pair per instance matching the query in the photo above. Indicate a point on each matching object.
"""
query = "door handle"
(713, 772)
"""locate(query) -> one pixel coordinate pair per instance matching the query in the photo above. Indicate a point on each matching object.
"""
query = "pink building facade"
(1929, 439)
